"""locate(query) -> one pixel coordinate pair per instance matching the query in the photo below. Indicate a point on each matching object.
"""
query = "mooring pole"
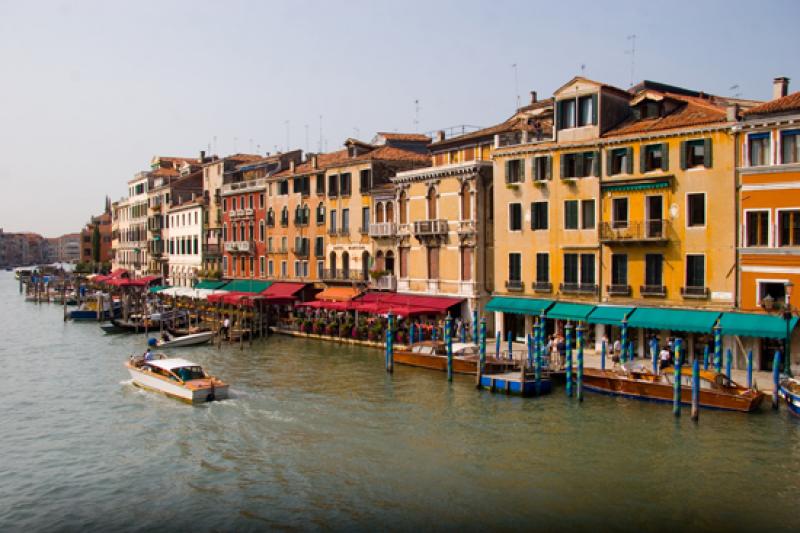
(718, 349)
(654, 355)
(705, 357)
(579, 375)
(510, 337)
(728, 362)
(448, 341)
(602, 355)
(696, 390)
(482, 350)
(776, 379)
(568, 365)
(750, 369)
(390, 343)
(676, 386)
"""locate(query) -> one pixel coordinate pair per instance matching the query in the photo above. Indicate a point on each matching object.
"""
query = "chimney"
(439, 136)
(780, 87)
(732, 112)
(291, 165)
(202, 156)
(534, 98)
(314, 161)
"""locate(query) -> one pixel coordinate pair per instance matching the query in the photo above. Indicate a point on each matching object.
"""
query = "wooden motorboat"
(88, 311)
(789, 390)
(515, 382)
(433, 355)
(635, 380)
(112, 328)
(169, 340)
(177, 378)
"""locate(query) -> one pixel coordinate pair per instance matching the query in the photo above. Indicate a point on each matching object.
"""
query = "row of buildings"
(657, 196)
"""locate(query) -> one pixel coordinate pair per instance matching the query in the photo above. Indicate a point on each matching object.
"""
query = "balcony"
(383, 229)
(466, 227)
(578, 288)
(211, 250)
(240, 213)
(384, 283)
(333, 231)
(695, 293)
(363, 230)
(331, 274)
(658, 291)
(430, 228)
(635, 232)
(515, 285)
(343, 232)
(618, 290)
(239, 247)
(279, 250)
(542, 286)
(301, 252)
(285, 222)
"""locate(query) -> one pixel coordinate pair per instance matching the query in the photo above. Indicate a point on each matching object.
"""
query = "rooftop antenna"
(416, 114)
(320, 134)
(308, 148)
(583, 69)
(516, 83)
(734, 88)
(287, 135)
(632, 52)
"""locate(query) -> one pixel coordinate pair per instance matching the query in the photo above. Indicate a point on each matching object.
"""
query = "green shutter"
(708, 155)
(642, 158)
(508, 170)
(665, 157)
(579, 164)
(594, 109)
(683, 155)
(524, 164)
(563, 164)
(629, 159)
(609, 158)
(596, 164)
(548, 164)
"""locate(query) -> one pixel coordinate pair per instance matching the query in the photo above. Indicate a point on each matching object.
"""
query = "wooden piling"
(696, 390)
(390, 343)
(481, 350)
(568, 358)
(776, 379)
(750, 369)
(676, 386)
(579, 375)
(448, 341)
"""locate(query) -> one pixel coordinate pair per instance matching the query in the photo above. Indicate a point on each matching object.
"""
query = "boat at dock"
(516, 382)
(111, 328)
(789, 390)
(433, 355)
(192, 339)
(177, 378)
(89, 311)
(635, 380)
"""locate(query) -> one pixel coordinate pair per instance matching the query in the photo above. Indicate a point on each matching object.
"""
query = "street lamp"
(787, 316)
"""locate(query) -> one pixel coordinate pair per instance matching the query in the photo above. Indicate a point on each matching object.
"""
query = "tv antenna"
(735, 87)
(320, 134)
(632, 52)
(516, 82)
(416, 114)
(583, 69)
(287, 135)
(307, 146)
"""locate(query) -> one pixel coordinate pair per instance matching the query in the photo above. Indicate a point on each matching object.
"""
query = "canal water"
(318, 436)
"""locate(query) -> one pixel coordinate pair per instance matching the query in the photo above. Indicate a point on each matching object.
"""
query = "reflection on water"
(319, 436)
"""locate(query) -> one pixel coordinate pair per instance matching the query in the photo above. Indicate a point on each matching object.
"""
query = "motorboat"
(177, 378)
(433, 355)
(88, 310)
(112, 328)
(789, 390)
(169, 340)
(635, 380)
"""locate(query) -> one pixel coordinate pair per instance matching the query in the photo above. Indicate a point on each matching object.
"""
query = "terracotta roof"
(515, 123)
(165, 172)
(785, 104)
(323, 161)
(691, 111)
(404, 136)
(392, 153)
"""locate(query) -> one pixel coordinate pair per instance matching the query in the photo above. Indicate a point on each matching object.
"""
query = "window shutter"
(579, 162)
(708, 156)
(665, 156)
(683, 155)
(557, 118)
(596, 164)
(563, 163)
(642, 158)
(508, 171)
(524, 171)
(594, 109)
(548, 162)
(536, 175)
(629, 160)
(609, 159)
(533, 217)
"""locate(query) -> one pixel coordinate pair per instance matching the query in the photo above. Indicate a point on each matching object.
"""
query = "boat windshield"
(187, 373)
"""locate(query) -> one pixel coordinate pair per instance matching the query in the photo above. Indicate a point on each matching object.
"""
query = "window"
(789, 227)
(283, 269)
(365, 220)
(587, 112)
(758, 148)
(261, 201)
(320, 268)
(515, 171)
(261, 265)
(285, 216)
(466, 263)
(297, 269)
(541, 168)
(696, 209)
(333, 186)
(433, 262)
(346, 220)
(542, 268)
(654, 157)
(250, 203)
(566, 114)
(252, 233)
(695, 271)
(344, 181)
(515, 267)
(538, 215)
(320, 183)
(333, 221)
(320, 214)
(587, 214)
(319, 247)
(790, 146)
(224, 207)
(271, 218)
(233, 203)
(269, 244)
(619, 269)
(580, 165)
(757, 228)
(365, 180)
(283, 187)
(653, 266)
(270, 268)
(775, 289)
(571, 214)
(696, 153)
(620, 161)
(570, 269)
(514, 217)
(587, 269)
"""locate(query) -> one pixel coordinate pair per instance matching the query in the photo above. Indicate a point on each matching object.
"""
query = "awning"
(755, 325)
(570, 311)
(609, 315)
(327, 304)
(522, 306)
(209, 284)
(158, 288)
(418, 303)
(338, 294)
(119, 273)
(282, 291)
(247, 285)
(234, 298)
(636, 186)
(673, 319)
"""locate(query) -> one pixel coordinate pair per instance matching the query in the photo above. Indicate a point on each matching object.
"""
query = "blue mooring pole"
(475, 329)
(448, 341)
(579, 375)
(623, 343)
(568, 341)
(510, 337)
(776, 379)
(654, 355)
(463, 333)
(749, 369)
(498, 337)
(696, 390)
(537, 361)
(676, 385)
(718, 349)
(530, 350)
(728, 362)
(631, 351)
(390, 343)
(603, 355)
(482, 348)
(705, 357)
(411, 333)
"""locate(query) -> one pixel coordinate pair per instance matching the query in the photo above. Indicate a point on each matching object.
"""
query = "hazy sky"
(90, 91)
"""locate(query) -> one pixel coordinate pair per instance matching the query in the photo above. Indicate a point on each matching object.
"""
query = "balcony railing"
(383, 229)
(653, 290)
(635, 231)
(699, 293)
(239, 247)
(344, 231)
(333, 231)
(363, 230)
(331, 274)
(515, 285)
(542, 286)
(385, 283)
(430, 227)
(211, 250)
(466, 227)
(241, 213)
(578, 288)
(618, 290)
(301, 252)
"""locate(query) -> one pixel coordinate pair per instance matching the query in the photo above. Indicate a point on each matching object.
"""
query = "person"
(664, 358)
(226, 327)
(616, 350)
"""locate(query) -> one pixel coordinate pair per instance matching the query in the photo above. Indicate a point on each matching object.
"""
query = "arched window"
(466, 202)
(332, 265)
(346, 265)
(389, 212)
(379, 212)
(389, 266)
(431, 197)
(261, 231)
(365, 265)
(379, 260)
(271, 217)
(321, 213)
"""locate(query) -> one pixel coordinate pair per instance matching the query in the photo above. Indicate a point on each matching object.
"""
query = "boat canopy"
(673, 319)
(608, 315)
(755, 325)
(171, 363)
(522, 306)
(570, 311)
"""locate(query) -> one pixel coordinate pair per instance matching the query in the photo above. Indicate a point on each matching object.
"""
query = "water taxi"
(635, 380)
(789, 390)
(177, 378)
(169, 340)
(433, 355)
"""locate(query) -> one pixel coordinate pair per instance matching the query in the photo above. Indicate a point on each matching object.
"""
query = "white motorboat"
(177, 378)
(193, 339)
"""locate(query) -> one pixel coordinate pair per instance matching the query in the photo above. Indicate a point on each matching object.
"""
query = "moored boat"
(635, 380)
(433, 355)
(112, 328)
(789, 390)
(192, 339)
(177, 378)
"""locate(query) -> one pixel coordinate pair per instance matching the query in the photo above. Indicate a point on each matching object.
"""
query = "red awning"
(324, 304)
(119, 273)
(282, 291)
(410, 304)
(234, 298)
(139, 282)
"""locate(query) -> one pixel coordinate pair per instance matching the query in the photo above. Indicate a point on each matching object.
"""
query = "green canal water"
(318, 436)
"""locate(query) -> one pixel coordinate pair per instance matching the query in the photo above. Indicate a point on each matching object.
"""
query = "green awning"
(247, 285)
(158, 288)
(522, 306)
(570, 311)
(755, 325)
(636, 186)
(673, 319)
(209, 284)
(609, 315)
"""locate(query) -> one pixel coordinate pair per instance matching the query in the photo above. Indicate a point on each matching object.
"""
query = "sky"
(91, 91)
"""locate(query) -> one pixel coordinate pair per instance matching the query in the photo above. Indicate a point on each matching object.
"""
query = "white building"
(184, 236)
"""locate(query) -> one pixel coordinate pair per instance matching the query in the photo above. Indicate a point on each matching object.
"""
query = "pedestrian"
(616, 349)
(665, 358)
(226, 327)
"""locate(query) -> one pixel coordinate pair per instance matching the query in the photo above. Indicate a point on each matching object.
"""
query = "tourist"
(616, 349)
(665, 358)
(226, 327)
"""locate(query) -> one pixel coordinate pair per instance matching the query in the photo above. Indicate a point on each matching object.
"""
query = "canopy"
(755, 325)
(158, 288)
(119, 273)
(210, 284)
(247, 285)
(138, 282)
(570, 311)
(673, 319)
(234, 298)
(523, 306)
(609, 315)
(282, 291)
(327, 304)
(190, 293)
(338, 294)
(410, 303)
